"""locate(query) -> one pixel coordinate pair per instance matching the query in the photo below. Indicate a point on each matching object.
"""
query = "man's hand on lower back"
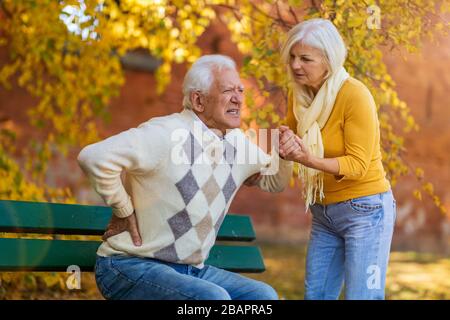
(118, 225)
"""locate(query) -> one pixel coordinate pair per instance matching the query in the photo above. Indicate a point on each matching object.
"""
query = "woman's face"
(308, 66)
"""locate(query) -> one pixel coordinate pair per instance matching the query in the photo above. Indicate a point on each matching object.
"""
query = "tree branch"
(3, 7)
(283, 22)
(313, 4)
(293, 14)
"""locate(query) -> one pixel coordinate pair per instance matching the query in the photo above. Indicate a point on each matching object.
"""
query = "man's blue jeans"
(350, 242)
(125, 277)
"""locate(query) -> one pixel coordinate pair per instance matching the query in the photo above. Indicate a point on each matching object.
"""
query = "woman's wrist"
(311, 161)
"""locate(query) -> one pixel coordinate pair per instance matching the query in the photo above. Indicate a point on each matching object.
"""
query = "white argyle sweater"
(179, 178)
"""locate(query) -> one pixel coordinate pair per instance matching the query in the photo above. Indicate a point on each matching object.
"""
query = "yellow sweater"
(352, 136)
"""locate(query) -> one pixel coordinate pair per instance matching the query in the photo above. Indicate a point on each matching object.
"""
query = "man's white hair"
(201, 75)
(320, 34)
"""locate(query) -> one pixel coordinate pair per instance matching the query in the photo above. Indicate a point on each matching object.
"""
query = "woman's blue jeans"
(350, 243)
(135, 278)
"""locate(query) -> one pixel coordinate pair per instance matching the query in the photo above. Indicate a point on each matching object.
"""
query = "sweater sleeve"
(360, 130)
(275, 172)
(135, 151)
(279, 172)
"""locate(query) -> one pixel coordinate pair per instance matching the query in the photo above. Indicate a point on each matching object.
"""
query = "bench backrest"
(73, 219)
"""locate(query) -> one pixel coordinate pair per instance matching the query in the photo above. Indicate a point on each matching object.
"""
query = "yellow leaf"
(417, 194)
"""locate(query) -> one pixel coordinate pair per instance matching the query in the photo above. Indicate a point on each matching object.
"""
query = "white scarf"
(311, 118)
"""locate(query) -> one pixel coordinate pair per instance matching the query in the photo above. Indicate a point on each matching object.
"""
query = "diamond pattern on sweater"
(219, 222)
(187, 187)
(193, 258)
(206, 189)
(213, 156)
(229, 188)
(180, 223)
(229, 153)
(167, 253)
(192, 148)
(211, 189)
(204, 227)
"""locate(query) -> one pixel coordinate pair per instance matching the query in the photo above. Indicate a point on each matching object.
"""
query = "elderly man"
(181, 174)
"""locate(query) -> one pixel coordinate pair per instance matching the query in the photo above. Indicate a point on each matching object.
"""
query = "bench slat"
(57, 255)
(75, 219)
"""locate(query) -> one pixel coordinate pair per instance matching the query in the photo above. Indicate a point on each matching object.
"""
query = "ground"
(411, 275)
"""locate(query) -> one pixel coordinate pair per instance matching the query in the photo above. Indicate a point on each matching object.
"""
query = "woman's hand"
(292, 147)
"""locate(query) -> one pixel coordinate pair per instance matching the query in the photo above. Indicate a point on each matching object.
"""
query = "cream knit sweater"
(180, 179)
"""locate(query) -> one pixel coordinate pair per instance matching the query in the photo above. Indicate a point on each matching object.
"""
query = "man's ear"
(197, 101)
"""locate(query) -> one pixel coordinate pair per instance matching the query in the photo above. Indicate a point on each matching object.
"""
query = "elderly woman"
(337, 147)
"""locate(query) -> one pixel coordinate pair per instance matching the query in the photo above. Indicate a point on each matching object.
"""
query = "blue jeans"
(350, 242)
(135, 278)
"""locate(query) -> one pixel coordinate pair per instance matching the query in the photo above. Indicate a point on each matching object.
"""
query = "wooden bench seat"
(234, 250)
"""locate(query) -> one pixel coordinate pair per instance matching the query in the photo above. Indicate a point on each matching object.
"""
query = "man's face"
(223, 103)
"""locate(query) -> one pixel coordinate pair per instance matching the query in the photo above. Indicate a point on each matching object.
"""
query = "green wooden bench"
(69, 219)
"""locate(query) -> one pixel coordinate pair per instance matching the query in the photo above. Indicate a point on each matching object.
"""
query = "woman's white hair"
(320, 34)
(201, 75)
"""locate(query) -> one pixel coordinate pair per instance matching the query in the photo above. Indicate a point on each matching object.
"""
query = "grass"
(411, 275)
